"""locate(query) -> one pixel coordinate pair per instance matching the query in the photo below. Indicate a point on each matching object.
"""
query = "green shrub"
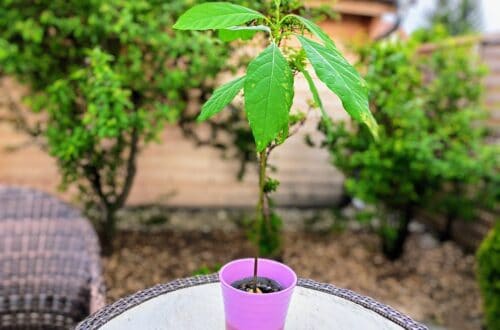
(488, 260)
(431, 152)
(467, 166)
(106, 75)
(458, 17)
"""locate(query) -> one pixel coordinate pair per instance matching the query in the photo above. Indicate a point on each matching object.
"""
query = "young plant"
(268, 85)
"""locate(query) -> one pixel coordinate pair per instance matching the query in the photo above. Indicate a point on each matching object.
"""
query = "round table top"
(196, 303)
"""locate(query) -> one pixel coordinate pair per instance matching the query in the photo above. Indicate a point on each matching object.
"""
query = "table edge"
(109, 312)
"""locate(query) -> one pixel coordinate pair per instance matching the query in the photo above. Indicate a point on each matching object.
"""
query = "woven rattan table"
(196, 304)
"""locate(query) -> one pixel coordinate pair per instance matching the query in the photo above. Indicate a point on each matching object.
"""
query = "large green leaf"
(268, 91)
(231, 35)
(221, 97)
(342, 79)
(315, 30)
(215, 15)
(241, 32)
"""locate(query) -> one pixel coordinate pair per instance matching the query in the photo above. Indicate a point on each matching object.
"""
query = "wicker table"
(196, 303)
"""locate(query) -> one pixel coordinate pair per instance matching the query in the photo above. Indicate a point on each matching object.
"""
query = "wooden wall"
(470, 233)
(490, 52)
(177, 173)
(489, 48)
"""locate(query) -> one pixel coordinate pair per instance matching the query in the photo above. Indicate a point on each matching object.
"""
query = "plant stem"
(261, 210)
(255, 269)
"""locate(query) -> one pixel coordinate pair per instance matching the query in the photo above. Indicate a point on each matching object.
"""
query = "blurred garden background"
(98, 106)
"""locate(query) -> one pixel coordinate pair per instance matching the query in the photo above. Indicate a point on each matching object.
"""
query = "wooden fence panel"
(177, 173)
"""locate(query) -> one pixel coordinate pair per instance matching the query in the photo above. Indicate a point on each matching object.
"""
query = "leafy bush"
(427, 107)
(458, 17)
(106, 75)
(488, 260)
(207, 270)
(467, 167)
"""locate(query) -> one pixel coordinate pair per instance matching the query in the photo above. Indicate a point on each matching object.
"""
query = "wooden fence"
(177, 173)
(490, 52)
(470, 233)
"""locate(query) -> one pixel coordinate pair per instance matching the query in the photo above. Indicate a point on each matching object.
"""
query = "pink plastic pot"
(249, 311)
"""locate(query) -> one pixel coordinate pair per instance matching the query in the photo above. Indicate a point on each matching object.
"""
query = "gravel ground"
(432, 282)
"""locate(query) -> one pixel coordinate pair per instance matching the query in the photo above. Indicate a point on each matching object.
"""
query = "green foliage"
(268, 95)
(271, 185)
(241, 32)
(231, 129)
(207, 270)
(315, 30)
(375, 170)
(435, 33)
(342, 79)
(107, 75)
(458, 17)
(428, 108)
(269, 74)
(215, 15)
(326, 122)
(269, 84)
(221, 97)
(488, 261)
(467, 168)
(267, 236)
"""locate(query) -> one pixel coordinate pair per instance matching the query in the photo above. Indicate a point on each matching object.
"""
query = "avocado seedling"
(268, 90)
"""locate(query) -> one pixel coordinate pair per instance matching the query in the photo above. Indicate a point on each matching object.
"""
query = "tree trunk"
(344, 200)
(445, 233)
(107, 232)
(393, 249)
(110, 206)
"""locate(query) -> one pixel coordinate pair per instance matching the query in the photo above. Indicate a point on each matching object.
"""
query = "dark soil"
(262, 285)
(431, 282)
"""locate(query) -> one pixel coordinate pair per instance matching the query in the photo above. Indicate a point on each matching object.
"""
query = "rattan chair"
(50, 273)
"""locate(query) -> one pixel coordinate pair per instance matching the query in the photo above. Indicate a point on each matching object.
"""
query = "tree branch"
(94, 177)
(131, 169)
(21, 123)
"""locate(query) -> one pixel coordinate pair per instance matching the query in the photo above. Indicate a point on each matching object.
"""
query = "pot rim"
(276, 263)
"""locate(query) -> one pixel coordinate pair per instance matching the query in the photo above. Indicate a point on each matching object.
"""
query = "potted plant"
(257, 291)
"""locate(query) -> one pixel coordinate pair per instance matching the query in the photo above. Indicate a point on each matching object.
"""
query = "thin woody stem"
(261, 208)
(255, 269)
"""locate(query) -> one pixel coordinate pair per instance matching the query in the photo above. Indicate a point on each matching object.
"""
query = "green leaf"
(221, 97)
(231, 35)
(268, 95)
(241, 32)
(215, 15)
(315, 94)
(342, 79)
(316, 98)
(315, 30)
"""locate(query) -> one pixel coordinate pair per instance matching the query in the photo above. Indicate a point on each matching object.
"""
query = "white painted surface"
(200, 308)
